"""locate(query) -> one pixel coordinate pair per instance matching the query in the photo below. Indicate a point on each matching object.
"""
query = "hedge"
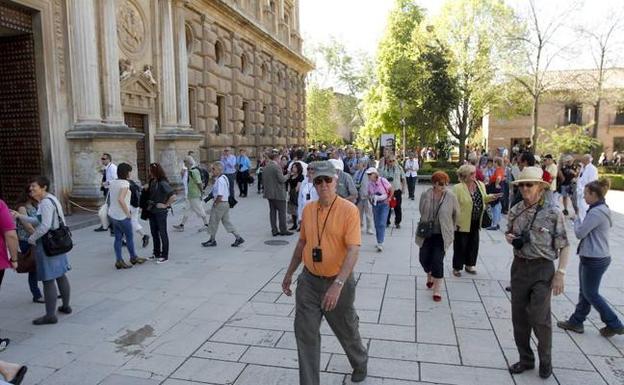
(617, 181)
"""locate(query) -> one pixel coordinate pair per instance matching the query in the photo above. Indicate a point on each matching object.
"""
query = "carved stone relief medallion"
(131, 28)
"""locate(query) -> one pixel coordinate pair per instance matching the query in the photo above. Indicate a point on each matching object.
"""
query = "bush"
(617, 181)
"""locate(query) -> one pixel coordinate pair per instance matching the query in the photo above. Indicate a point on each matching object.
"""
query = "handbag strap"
(58, 215)
(439, 205)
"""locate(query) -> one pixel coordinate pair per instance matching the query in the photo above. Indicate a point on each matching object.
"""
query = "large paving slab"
(217, 316)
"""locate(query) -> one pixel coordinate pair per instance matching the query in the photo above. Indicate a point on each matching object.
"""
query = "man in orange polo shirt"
(328, 246)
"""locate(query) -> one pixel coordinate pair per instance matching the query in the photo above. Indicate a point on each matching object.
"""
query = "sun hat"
(372, 170)
(322, 168)
(337, 164)
(531, 174)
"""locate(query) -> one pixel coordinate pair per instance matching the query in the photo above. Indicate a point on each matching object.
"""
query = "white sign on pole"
(387, 140)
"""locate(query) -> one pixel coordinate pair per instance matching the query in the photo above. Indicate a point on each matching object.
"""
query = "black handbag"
(232, 201)
(487, 218)
(57, 241)
(425, 228)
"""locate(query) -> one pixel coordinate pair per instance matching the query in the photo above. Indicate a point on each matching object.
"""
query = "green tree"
(570, 139)
(472, 30)
(320, 120)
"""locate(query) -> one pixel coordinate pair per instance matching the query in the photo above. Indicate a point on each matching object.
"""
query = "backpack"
(205, 176)
(135, 193)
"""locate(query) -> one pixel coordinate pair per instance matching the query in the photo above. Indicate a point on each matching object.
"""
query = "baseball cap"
(372, 170)
(322, 168)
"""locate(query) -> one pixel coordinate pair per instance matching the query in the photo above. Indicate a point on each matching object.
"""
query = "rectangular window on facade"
(246, 118)
(618, 144)
(573, 114)
(220, 126)
(192, 102)
(619, 115)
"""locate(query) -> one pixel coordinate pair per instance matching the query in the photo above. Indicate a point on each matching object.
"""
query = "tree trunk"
(596, 118)
(462, 149)
(535, 120)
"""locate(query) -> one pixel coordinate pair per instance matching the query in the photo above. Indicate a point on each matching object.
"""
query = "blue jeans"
(32, 276)
(123, 228)
(380, 215)
(591, 271)
(496, 213)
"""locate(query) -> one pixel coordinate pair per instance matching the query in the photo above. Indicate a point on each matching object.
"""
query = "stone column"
(168, 78)
(182, 65)
(85, 68)
(110, 64)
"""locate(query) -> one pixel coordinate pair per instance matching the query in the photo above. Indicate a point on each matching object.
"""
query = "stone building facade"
(146, 81)
(567, 101)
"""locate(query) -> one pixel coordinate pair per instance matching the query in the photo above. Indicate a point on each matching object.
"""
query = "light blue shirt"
(229, 164)
(243, 163)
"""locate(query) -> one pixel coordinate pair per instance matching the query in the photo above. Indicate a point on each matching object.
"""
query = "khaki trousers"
(343, 320)
(197, 206)
(220, 213)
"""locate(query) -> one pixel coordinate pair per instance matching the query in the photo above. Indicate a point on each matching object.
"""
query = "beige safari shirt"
(547, 234)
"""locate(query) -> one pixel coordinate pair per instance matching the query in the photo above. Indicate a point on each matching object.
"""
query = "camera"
(390, 179)
(317, 254)
(307, 196)
(524, 239)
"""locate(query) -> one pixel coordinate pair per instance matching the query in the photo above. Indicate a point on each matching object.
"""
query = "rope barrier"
(81, 207)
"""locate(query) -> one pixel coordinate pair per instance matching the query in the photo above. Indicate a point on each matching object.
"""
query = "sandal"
(19, 377)
(4, 343)
(437, 298)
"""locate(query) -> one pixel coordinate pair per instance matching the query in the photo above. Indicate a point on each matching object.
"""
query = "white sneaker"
(370, 231)
(379, 247)
(162, 260)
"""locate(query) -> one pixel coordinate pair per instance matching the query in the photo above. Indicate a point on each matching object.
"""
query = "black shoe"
(520, 367)
(209, 243)
(45, 320)
(359, 375)
(19, 376)
(610, 332)
(565, 212)
(145, 240)
(286, 233)
(38, 300)
(100, 229)
(239, 241)
(567, 325)
(508, 288)
(275, 233)
(398, 225)
(545, 371)
(65, 309)
(293, 227)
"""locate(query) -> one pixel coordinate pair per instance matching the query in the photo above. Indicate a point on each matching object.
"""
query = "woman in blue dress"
(49, 268)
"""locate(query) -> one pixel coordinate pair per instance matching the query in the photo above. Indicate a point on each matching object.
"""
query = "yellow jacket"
(465, 204)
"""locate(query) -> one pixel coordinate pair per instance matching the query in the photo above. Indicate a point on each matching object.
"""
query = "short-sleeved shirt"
(548, 233)
(342, 229)
(114, 208)
(221, 187)
(7, 224)
(380, 187)
(194, 183)
(346, 186)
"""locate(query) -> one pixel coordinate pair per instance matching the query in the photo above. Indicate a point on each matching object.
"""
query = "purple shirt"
(381, 186)
(6, 224)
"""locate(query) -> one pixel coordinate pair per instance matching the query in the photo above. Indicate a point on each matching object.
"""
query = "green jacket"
(194, 183)
(465, 204)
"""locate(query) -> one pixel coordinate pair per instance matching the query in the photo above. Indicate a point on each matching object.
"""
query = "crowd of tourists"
(331, 196)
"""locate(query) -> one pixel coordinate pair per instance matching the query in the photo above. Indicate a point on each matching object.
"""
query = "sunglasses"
(321, 179)
(527, 185)
(103, 158)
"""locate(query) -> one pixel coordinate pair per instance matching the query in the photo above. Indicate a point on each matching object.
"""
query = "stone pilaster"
(111, 90)
(181, 66)
(168, 76)
(85, 69)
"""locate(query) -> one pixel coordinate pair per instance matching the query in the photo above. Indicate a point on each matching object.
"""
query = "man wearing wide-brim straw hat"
(538, 235)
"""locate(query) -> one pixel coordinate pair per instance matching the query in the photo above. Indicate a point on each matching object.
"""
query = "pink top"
(381, 186)
(6, 224)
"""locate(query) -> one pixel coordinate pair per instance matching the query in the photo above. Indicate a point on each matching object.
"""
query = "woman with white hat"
(379, 193)
(538, 235)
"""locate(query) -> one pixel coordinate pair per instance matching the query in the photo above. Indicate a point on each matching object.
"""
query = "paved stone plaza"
(217, 316)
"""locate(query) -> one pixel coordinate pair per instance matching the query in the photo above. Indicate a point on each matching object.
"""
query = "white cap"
(372, 170)
(337, 164)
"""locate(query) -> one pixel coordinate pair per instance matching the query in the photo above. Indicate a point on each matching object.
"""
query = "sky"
(360, 24)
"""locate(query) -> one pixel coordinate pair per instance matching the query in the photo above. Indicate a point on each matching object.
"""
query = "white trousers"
(197, 206)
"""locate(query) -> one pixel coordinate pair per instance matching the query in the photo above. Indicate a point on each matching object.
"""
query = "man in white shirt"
(109, 173)
(589, 173)
(411, 171)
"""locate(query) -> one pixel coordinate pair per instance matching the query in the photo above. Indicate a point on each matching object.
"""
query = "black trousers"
(260, 184)
(431, 256)
(411, 186)
(530, 307)
(242, 179)
(466, 247)
(160, 238)
(398, 213)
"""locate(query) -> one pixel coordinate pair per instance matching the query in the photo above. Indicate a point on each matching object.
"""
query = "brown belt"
(320, 276)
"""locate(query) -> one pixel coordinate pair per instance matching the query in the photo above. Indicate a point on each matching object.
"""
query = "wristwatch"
(339, 282)
(561, 271)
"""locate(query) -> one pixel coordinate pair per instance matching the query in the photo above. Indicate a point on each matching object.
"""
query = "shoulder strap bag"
(425, 228)
(57, 241)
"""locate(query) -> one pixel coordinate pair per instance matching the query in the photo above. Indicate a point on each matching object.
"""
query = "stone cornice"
(233, 18)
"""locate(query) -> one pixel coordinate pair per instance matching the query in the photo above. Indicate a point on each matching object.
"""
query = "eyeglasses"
(320, 179)
(103, 158)
(527, 185)
(441, 184)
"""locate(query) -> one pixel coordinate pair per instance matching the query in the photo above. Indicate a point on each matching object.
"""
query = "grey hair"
(189, 159)
(465, 170)
(218, 165)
